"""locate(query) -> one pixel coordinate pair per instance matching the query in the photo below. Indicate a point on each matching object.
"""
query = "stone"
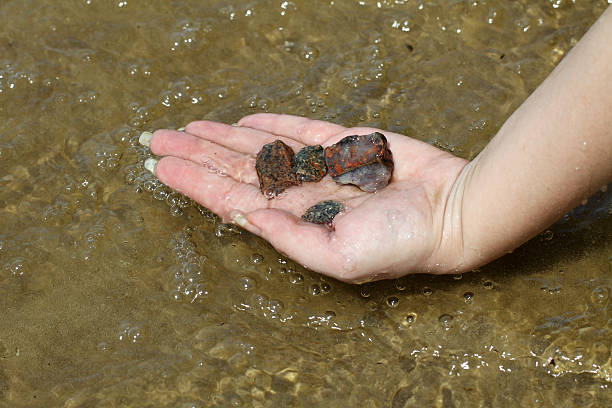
(362, 160)
(369, 178)
(323, 212)
(275, 166)
(310, 164)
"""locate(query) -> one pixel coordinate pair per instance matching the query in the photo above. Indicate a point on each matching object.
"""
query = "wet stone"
(368, 178)
(310, 164)
(323, 212)
(362, 160)
(275, 168)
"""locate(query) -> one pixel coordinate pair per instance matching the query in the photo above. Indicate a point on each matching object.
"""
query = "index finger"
(304, 130)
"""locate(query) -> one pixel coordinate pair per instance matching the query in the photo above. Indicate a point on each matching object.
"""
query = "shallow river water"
(117, 292)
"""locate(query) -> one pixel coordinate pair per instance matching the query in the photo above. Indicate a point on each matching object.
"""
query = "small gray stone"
(323, 212)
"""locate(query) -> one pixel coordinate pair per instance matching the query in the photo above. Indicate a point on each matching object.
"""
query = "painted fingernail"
(150, 164)
(181, 129)
(145, 138)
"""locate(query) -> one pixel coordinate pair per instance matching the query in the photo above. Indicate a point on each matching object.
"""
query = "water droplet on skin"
(392, 301)
(468, 296)
(315, 289)
(457, 276)
(488, 284)
(547, 235)
(427, 291)
(365, 292)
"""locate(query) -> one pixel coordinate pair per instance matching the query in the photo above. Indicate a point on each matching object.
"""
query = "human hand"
(413, 225)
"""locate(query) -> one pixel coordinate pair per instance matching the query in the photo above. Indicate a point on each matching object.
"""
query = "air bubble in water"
(600, 294)
(410, 318)
(446, 320)
(296, 278)
(392, 301)
(245, 283)
(325, 287)
(257, 259)
(330, 314)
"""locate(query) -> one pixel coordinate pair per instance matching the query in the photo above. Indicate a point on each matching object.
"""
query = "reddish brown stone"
(362, 160)
(275, 168)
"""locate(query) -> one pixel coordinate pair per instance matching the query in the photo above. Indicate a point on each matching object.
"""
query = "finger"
(306, 131)
(215, 158)
(222, 195)
(307, 243)
(240, 139)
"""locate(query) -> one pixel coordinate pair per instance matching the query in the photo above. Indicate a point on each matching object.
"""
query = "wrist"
(455, 253)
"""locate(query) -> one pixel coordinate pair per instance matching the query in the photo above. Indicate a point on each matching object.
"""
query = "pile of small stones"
(362, 160)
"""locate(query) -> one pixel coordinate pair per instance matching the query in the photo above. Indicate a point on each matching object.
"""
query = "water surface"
(115, 291)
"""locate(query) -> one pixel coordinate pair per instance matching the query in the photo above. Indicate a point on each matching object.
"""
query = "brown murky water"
(114, 291)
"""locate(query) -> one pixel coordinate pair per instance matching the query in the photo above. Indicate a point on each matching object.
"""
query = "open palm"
(403, 228)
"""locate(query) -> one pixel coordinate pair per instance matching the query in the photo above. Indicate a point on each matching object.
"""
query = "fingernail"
(150, 164)
(145, 138)
(181, 129)
(235, 124)
(239, 219)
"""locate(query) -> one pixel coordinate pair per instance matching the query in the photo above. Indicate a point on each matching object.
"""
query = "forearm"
(551, 154)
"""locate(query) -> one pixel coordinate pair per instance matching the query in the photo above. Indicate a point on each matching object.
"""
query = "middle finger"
(241, 139)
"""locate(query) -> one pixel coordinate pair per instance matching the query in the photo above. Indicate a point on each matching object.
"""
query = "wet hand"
(410, 226)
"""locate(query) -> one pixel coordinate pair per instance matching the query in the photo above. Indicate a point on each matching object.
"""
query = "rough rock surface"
(310, 164)
(323, 212)
(275, 168)
(362, 160)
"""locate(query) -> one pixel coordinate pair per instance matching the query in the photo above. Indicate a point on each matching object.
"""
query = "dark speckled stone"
(275, 168)
(362, 160)
(310, 164)
(323, 212)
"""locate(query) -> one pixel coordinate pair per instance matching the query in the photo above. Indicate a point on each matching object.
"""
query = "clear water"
(117, 292)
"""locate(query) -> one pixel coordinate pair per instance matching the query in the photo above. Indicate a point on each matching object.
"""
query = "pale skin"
(440, 213)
